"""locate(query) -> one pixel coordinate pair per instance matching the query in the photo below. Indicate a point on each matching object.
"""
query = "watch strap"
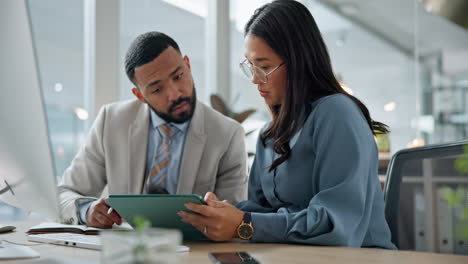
(247, 217)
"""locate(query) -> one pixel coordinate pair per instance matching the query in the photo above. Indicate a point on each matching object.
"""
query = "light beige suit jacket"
(214, 157)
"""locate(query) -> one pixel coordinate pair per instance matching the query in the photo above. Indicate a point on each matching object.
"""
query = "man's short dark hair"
(144, 49)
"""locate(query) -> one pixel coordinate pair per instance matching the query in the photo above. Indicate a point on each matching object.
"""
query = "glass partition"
(184, 21)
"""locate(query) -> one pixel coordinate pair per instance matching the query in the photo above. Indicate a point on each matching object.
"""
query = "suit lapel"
(193, 150)
(138, 144)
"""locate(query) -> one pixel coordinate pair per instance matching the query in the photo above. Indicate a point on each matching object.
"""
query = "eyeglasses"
(251, 70)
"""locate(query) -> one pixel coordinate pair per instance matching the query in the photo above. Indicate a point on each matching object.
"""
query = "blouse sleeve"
(339, 213)
(256, 201)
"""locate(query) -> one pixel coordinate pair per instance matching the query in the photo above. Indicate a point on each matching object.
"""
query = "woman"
(314, 178)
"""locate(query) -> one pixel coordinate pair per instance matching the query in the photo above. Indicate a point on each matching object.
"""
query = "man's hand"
(97, 216)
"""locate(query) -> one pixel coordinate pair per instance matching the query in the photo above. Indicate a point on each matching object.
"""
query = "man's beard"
(181, 117)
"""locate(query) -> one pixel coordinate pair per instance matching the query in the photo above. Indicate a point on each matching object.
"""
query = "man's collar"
(157, 121)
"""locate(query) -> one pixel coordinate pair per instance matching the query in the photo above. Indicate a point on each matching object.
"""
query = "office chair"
(420, 170)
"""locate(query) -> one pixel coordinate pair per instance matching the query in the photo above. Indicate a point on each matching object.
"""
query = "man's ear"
(138, 94)
(187, 61)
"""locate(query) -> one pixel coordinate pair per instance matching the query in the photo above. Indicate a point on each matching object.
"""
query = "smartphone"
(232, 258)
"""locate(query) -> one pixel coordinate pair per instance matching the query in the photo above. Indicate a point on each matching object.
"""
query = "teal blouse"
(327, 192)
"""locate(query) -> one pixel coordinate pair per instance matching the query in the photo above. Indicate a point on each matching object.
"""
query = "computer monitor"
(27, 176)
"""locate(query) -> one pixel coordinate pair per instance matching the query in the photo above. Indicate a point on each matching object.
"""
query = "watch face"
(245, 231)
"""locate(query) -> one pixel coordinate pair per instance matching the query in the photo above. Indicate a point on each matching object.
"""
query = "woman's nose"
(256, 80)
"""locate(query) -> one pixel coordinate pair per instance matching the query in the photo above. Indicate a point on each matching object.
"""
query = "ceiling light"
(60, 151)
(58, 87)
(81, 113)
(346, 88)
(417, 142)
(389, 107)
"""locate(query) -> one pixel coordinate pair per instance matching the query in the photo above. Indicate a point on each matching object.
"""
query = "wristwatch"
(245, 230)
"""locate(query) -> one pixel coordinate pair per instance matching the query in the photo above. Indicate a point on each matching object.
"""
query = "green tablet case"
(160, 209)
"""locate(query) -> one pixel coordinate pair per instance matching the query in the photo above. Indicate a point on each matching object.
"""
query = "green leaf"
(446, 193)
(453, 198)
(465, 213)
(141, 223)
(465, 232)
(461, 164)
(449, 195)
(460, 195)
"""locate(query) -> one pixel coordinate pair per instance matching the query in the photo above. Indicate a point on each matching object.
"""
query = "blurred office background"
(405, 59)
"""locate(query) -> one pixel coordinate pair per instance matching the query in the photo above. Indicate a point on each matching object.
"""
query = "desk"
(265, 253)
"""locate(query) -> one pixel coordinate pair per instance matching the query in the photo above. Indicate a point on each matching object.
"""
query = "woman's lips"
(263, 93)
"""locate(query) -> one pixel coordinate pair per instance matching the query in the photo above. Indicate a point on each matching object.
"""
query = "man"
(164, 142)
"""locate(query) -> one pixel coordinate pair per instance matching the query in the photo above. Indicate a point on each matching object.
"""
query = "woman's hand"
(218, 220)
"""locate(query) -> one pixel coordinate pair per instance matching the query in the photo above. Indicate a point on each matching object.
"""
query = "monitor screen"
(27, 177)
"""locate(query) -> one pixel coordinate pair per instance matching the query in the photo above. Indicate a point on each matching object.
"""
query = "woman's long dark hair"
(290, 30)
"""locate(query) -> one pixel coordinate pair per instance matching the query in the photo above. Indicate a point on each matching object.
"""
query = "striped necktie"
(156, 178)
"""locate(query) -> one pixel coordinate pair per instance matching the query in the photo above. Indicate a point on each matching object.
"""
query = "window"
(57, 32)
(184, 21)
(57, 29)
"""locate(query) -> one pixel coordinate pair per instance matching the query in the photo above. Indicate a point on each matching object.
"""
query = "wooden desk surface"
(265, 253)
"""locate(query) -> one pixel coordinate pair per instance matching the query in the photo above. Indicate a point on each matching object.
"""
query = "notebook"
(50, 227)
(70, 235)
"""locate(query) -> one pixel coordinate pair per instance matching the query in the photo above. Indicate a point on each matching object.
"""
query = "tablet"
(160, 209)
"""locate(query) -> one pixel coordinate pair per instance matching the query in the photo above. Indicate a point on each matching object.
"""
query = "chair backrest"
(421, 169)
